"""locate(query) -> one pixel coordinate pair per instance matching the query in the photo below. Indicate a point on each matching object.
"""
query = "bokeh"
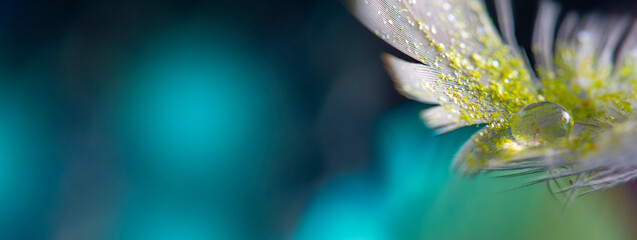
(196, 120)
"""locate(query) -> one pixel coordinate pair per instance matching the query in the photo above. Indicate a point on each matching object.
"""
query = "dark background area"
(196, 119)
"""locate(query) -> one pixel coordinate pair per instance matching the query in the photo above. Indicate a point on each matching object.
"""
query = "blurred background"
(243, 120)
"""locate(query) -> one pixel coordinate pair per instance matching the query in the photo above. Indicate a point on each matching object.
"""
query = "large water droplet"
(541, 122)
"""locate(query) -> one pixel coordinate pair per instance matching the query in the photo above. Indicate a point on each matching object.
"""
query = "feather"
(464, 65)
(505, 18)
(542, 44)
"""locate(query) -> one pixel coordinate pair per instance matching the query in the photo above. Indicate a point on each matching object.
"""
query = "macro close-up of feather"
(569, 116)
(318, 119)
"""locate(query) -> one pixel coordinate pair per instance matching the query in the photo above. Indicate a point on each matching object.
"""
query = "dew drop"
(495, 63)
(540, 123)
(451, 17)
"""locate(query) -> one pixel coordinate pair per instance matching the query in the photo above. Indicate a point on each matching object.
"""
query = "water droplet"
(451, 17)
(495, 63)
(541, 122)
(480, 30)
